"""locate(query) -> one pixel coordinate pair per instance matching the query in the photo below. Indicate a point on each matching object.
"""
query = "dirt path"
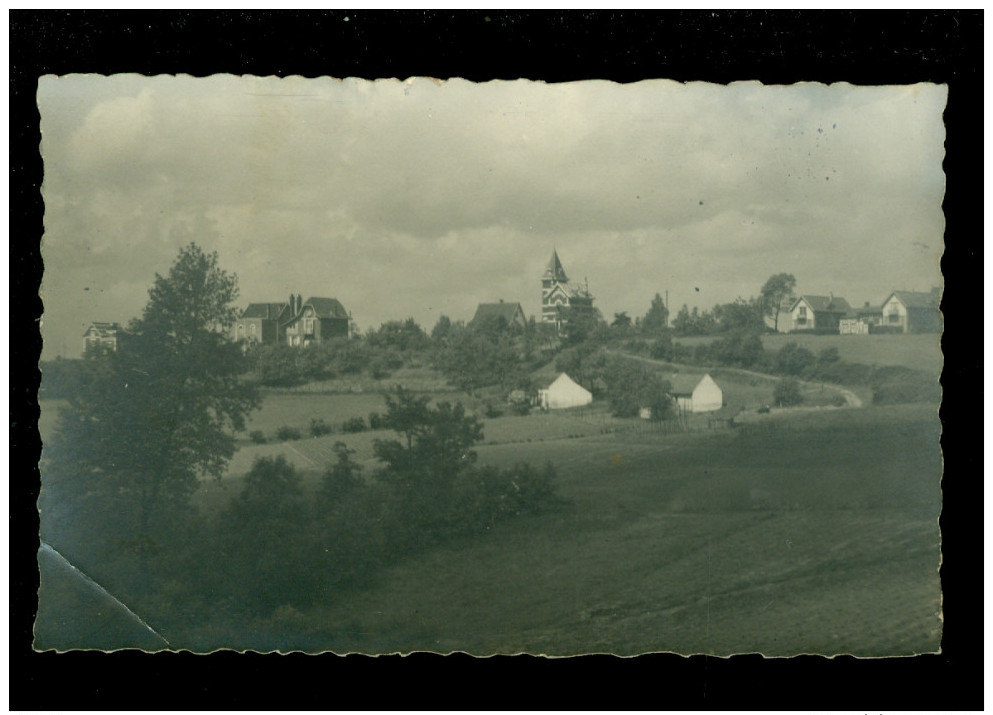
(851, 398)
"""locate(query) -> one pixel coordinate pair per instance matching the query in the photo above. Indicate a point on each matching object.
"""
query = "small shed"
(564, 392)
(696, 393)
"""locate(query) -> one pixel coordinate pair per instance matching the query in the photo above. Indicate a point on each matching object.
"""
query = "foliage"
(632, 386)
(353, 424)
(319, 428)
(774, 291)
(787, 392)
(288, 434)
(257, 436)
(441, 329)
(403, 335)
(174, 385)
(740, 315)
(473, 358)
(828, 356)
(692, 322)
(737, 349)
(791, 359)
(343, 477)
(656, 320)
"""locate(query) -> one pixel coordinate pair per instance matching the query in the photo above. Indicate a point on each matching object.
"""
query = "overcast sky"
(422, 198)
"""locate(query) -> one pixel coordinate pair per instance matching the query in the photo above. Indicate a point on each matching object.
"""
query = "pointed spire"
(554, 269)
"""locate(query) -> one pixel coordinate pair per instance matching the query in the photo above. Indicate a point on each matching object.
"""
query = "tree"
(441, 329)
(787, 393)
(622, 322)
(631, 386)
(162, 410)
(741, 315)
(656, 320)
(436, 442)
(791, 359)
(777, 289)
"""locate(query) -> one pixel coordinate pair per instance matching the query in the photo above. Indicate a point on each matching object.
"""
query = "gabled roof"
(564, 382)
(914, 299)
(266, 311)
(824, 303)
(554, 269)
(327, 307)
(683, 384)
(507, 311)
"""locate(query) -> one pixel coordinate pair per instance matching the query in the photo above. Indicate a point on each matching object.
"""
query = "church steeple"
(554, 270)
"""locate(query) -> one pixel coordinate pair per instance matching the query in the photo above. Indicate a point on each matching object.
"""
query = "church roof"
(555, 270)
(507, 311)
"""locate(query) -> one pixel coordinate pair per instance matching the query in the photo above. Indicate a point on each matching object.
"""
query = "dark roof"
(327, 307)
(555, 270)
(684, 384)
(825, 303)
(913, 299)
(507, 311)
(267, 311)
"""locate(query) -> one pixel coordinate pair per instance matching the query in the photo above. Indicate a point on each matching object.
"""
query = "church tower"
(554, 291)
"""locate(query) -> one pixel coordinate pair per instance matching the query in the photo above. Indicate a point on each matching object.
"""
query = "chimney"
(292, 305)
(867, 304)
(299, 302)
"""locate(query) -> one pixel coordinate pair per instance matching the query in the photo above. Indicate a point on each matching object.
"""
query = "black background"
(773, 47)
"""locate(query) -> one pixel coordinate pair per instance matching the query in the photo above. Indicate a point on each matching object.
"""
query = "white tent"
(564, 392)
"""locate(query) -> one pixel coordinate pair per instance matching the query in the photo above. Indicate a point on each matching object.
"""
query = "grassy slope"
(817, 536)
(918, 352)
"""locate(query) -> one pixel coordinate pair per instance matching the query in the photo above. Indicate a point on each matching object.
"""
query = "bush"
(828, 356)
(492, 411)
(353, 424)
(787, 393)
(257, 436)
(521, 407)
(793, 359)
(319, 427)
(286, 433)
(377, 421)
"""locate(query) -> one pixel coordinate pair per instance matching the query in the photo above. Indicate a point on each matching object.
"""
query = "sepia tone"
(509, 367)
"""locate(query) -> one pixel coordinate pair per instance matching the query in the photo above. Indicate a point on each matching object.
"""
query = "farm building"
(696, 393)
(562, 393)
(509, 313)
(558, 295)
(822, 313)
(100, 336)
(913, 312)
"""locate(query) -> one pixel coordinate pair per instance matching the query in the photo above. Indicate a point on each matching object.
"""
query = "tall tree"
(656, 320)
(161, 413)
(777, 289)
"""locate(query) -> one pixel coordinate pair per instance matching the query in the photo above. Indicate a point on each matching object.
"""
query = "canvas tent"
(562, 393)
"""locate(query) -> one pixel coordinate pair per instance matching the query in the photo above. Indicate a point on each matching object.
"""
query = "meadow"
(814, 534)
(918, 352)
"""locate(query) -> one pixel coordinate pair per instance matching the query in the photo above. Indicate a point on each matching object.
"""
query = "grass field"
(814, 535)
(918, 352)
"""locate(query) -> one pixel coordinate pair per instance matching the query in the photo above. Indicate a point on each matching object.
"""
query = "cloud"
(414, 197)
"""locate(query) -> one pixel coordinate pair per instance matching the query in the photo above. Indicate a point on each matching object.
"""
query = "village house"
(913, 312)
(563, 393)
(821, 313)
(509, 313)
(860, 320)
(315, 321)
(261, 323)
(558, 295)
(101, 337)
(696, 393)
(296, 322)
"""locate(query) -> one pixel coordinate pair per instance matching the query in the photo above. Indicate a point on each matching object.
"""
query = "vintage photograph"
(396, 366)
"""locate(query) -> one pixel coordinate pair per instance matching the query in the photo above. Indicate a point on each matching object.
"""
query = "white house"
(563, 392)
(696, 393)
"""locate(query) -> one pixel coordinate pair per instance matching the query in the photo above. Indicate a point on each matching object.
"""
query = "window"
(241, 328)
(252, 330)
(894, 317)
(803, 312)
(308, 325)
